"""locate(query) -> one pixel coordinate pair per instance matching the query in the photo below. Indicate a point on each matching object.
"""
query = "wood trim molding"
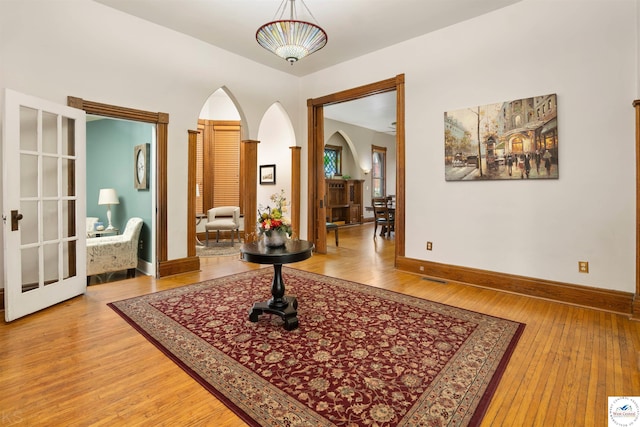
(161, 120)
(400, 169)
(584, 296)
(178, 266)
(315, 123)
(107, 110)
(636, 297)
(249, 185)
(295, 189)
(191, 197)
(316, 214)
(162, 155)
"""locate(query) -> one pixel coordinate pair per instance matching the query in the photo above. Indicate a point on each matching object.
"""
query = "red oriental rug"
(361, 356)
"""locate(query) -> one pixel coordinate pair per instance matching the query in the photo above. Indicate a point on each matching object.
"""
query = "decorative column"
(295, 190)
(191, 197)
(249, 185)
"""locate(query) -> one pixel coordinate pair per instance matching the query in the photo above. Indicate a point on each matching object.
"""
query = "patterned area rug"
(362, 356)
(219, 249)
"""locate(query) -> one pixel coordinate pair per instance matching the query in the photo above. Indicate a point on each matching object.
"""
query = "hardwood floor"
(79, 363)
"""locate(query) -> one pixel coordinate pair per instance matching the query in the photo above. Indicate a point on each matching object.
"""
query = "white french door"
(44, 203)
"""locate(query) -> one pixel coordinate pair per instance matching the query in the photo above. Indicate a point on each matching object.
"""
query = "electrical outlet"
(429, 246)
(422, 268)
(583, 266)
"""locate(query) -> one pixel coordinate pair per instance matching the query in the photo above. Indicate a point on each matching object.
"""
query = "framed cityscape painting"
(508, 140)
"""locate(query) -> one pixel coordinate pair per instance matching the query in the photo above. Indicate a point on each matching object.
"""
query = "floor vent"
(429, 279)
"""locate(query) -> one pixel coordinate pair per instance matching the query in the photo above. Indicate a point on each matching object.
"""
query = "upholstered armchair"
(223, 218)
(115, 253)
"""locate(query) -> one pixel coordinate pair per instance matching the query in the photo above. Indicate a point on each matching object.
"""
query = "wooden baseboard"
(602, 299)
(635, 315)
(177, 266)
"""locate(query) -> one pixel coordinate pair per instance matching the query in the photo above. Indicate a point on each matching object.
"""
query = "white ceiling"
(354, 28)
(375, 112)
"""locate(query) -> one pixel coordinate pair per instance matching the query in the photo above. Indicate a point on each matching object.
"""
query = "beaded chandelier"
(291, 39)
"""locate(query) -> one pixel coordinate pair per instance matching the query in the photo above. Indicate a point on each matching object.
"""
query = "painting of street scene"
(509, 140)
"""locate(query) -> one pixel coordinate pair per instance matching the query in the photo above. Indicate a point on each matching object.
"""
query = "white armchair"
(115, 253)
(223, 218)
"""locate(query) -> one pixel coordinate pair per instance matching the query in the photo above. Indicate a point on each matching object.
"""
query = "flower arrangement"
(272, 219)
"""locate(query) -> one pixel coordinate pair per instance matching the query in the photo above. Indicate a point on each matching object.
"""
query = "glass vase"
(276, 239)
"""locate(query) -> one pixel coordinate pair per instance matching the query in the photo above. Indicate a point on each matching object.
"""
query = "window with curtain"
(332, 160)
(378, 171)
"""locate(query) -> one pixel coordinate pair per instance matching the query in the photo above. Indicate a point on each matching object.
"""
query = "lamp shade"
(108, 196)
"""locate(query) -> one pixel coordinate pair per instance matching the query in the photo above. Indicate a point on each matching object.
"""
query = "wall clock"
(141, 168)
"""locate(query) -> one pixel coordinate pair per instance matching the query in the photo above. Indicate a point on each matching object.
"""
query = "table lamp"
(108, 196)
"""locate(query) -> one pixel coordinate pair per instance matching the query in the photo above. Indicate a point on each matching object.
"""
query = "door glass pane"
(49, 133)
(69, 218)
(68, 140)
(68, 177)
(28, 129)
(69, 259)
(50, 220)
(30, 261)
(29, 223)
(49, 176)
(51, 262)
(29, 175)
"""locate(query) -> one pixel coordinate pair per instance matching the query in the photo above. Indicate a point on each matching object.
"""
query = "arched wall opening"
(221, 127)
(276, 136)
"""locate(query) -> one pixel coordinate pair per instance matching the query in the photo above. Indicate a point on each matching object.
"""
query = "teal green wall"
(110, 145)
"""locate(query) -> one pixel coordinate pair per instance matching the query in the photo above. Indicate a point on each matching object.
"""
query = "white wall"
(219, 106)
(586, 53)
(52, 49)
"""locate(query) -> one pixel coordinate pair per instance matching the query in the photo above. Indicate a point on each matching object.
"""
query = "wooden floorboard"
(79, 363)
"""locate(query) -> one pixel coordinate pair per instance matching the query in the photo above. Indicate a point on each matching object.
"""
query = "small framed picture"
(268, 174)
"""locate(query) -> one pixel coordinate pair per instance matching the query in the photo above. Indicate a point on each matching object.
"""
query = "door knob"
(15, 217)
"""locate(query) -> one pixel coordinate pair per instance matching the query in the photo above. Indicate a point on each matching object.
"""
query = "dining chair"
(383, 218)
(379, 201)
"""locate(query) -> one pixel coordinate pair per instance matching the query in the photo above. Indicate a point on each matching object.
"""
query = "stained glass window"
(332, 160)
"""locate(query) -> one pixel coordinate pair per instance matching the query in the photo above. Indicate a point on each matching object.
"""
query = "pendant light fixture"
(291, 38)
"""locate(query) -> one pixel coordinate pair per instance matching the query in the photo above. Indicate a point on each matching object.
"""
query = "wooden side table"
(285, 306)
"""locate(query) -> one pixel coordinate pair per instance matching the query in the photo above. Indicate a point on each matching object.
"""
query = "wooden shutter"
(220, 163)
(226, 170)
